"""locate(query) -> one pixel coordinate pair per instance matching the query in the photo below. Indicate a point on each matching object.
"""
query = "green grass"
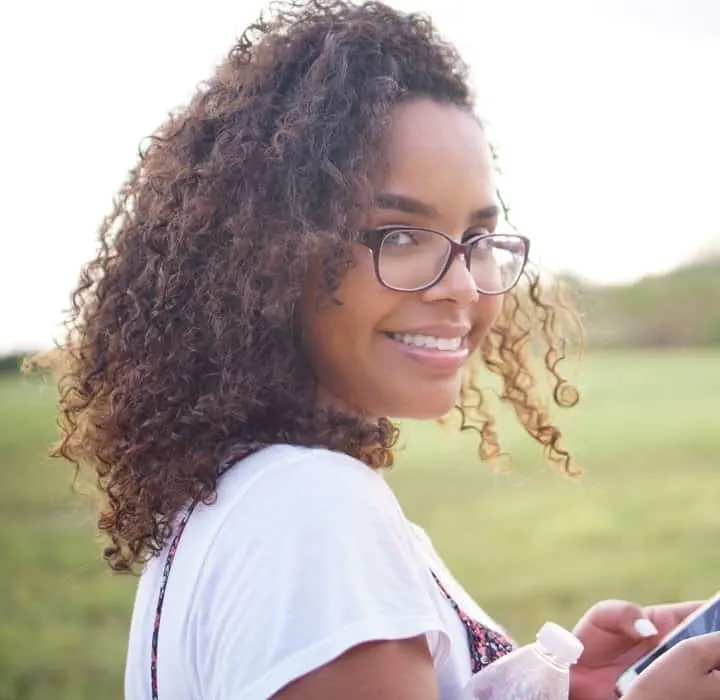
(642, 522)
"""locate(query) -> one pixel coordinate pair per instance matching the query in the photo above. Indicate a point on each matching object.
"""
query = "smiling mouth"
(428, 341)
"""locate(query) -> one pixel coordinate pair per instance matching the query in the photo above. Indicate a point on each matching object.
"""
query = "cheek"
(338, 336)
(485, 314)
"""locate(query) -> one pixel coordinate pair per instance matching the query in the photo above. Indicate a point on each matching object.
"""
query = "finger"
(621, 617)
(670, 615)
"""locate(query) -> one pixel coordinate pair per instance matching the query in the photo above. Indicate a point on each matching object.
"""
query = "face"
(401, 354)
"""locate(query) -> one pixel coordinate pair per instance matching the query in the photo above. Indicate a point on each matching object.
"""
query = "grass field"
(642, 522)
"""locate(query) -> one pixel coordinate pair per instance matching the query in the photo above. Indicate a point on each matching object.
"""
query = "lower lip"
(442, 361)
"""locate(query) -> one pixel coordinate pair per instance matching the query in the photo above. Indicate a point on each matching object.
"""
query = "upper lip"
(448, 330)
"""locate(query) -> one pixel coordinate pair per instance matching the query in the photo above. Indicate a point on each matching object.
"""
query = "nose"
(457, 284)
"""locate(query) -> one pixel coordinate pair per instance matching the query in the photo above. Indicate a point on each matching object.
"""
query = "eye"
(400, 238)
(475, 233)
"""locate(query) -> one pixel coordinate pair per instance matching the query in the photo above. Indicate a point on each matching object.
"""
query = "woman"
(310, 248)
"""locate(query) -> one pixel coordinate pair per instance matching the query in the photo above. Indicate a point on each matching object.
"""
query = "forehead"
(433, 149)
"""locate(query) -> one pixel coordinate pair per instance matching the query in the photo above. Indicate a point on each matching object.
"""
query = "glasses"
(411, 259)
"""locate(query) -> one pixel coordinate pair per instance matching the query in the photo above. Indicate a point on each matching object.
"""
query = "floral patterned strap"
(485, 644)
(161, 598)
(235, 456)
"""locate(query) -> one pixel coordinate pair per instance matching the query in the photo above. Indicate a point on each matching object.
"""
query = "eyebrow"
(410, 205)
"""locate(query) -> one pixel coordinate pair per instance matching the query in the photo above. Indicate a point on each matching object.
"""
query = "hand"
(685, 671)
(614, 640)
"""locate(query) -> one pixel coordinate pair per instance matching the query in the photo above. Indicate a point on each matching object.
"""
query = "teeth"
(428, 341)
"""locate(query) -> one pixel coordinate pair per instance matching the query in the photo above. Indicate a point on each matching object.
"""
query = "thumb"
(702, 651)
(685, 671)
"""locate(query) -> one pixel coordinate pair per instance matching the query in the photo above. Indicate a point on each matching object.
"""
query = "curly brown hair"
(182, 341)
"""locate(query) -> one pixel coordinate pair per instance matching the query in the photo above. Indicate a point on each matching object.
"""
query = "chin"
(438, 405)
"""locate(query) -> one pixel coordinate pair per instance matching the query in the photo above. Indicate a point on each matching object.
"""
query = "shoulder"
(313, 556)
(307, 483)
(286, 505)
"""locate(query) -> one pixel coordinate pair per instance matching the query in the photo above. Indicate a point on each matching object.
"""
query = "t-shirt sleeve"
(315, 558)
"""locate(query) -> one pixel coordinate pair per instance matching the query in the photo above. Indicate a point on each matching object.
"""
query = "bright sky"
(606, 111)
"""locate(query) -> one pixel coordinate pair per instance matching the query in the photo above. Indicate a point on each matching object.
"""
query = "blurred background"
(606, 121)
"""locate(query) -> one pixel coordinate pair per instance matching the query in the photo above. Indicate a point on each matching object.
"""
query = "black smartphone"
(705, 619)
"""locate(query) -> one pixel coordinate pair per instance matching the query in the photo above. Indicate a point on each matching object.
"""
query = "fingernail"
(644, 627)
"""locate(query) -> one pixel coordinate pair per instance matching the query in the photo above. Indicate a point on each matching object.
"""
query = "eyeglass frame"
(377, 237)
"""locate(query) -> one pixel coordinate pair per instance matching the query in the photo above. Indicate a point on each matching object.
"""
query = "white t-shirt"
(305, 554)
